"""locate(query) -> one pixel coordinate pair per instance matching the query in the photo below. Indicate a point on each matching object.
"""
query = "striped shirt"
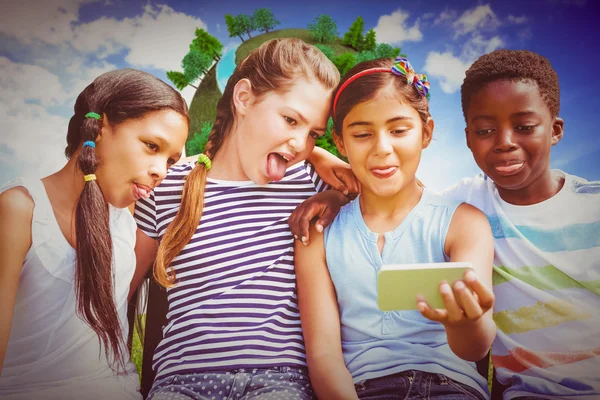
(234, 305)
(547, 287)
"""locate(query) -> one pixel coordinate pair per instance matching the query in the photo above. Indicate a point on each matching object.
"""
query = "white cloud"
(48, 21)
(449, 69)
(445, 16)
(478, 45)
(159, 38)
(478, 18)
(33, 141)
(393, 29)
(517, 20)
(23, 82)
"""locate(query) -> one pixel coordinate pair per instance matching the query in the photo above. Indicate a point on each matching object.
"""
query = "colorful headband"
(89, 143)
(401, 67)
(93, 115)
(203, 159)
(90, 177)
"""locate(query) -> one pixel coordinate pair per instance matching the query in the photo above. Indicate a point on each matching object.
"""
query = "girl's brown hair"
(366, 88)
(117, 96)
(272, 67)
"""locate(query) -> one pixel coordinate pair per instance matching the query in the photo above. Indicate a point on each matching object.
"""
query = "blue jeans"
(259, 384)
(413, 384)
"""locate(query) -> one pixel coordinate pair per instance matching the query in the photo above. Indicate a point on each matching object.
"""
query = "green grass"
(204, 104)
(137, 348)
(245, 48)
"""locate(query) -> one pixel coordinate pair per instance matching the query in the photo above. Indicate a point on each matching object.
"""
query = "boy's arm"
(325, 206)
(335, 172)
(467, 318)
(321, 322)
(16, 213)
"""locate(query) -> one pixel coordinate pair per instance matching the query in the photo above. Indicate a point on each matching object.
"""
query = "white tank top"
(52, 353)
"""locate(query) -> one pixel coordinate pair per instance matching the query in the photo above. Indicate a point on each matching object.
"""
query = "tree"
(365, 56)
(207, 44)
(194, 64)
(344, 62)
(245, 23)
(370, 42)
(232, 26)
(326, 141)
(384, 50)
(323, 29)
(328, 51)
(179, 80)
(264, 19)
(198, 141)
(354, 36)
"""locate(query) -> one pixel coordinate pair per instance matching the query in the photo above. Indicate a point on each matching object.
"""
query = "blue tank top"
(377, 343)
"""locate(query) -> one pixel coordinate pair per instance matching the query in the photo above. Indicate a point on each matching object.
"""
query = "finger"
(471, 308)
(304, 224)
(455, 312)
(340, 184)
(293, 222)
(484, 294)
(433, 314)
(353, 185)
(327, 218)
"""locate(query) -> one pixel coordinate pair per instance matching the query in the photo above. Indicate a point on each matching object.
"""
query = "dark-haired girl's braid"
(94, 275)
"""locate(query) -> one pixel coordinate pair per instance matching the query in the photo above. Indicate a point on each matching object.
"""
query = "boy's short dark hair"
(513, 65)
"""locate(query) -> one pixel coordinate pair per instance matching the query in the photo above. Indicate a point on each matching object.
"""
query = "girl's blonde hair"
(272, 67)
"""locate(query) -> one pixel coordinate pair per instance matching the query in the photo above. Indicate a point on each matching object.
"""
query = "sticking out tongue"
(275, 166)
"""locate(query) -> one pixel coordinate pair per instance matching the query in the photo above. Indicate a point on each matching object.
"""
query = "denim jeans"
(413, 384)
(258, 384)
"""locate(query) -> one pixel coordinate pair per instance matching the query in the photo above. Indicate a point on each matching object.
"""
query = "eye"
(399, 131)
(483, 132)
(361, 135)
(151, 146)
(525, 128)
(314, 135)
(290, 121)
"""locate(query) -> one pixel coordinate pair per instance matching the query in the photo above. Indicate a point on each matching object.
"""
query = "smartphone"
(400, 285)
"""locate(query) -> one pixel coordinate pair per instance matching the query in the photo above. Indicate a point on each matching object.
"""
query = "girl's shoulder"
(17, 199)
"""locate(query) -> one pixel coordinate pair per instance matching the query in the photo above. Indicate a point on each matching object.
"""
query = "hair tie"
(89, 143)
(203, 159)
(93, 115)
(90, 177)
(401, 67)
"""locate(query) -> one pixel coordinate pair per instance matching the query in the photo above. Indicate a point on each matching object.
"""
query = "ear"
(105, 128)
(467, 137)
(339, 143)
(558, 128)
(427, 133)
(242, 96)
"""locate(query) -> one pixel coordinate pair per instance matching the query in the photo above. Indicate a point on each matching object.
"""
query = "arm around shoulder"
(16, 213)
(321, 322)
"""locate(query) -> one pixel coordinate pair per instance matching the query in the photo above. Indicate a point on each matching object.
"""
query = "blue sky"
(50, 50)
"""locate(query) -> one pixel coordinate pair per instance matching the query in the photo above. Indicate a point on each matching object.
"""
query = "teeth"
(285, 158)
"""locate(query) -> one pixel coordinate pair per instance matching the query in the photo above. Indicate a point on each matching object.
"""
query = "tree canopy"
(264, 20)
(323, 29)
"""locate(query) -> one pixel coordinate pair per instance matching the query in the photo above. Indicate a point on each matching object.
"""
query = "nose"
(505, 140)
(298, 141)
(158, 169)
(383, 145)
